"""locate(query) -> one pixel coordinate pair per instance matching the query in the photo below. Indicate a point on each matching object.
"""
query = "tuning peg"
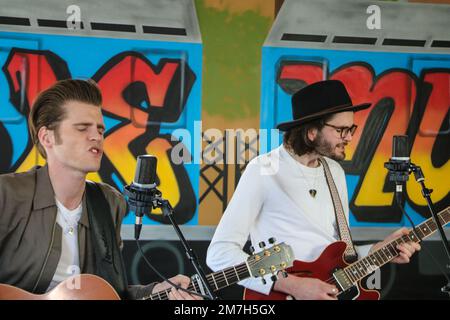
(274, 278)
(272, 240)
(252, 249)
(262, 244)
(284, 274)
(263, 280)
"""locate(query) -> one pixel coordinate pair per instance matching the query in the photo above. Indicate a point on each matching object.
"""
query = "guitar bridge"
(342, 280)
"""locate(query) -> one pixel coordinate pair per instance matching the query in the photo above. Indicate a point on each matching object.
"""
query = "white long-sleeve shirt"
(272, 200)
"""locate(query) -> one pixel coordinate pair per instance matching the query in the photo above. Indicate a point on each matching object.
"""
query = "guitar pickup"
(342, 280)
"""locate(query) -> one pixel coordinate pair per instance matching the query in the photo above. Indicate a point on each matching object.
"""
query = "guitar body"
(91, 287)
(322, 268)
(81, 287)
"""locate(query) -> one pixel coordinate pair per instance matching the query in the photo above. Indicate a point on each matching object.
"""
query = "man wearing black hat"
(297, 193)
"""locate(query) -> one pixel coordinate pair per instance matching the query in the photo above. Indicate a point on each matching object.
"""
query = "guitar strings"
(163, 295)
(330, 280)
(356, 277)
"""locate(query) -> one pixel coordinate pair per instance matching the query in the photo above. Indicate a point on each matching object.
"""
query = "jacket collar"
(44, 196)
(84, 220)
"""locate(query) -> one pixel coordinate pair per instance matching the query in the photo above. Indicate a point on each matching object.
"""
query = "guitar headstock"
(270, 260)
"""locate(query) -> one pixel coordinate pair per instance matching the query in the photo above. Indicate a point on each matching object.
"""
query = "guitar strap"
(350, 254)
(108, 262)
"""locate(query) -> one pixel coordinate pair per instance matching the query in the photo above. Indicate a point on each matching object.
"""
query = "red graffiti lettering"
(31, 72)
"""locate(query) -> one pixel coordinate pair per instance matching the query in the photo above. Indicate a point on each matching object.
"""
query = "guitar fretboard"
(217, 280)
(360, 269)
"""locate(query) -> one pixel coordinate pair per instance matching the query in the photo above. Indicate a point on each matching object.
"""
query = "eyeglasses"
(343, 131)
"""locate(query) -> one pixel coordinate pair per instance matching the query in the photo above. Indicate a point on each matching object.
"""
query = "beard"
(327, 149)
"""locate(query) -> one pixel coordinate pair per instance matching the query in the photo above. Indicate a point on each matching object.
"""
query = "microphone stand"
(167, 211)
(399, 173)
(418, 175)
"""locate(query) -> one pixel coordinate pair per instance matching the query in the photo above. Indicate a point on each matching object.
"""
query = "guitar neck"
(216, 280)
(360, 269)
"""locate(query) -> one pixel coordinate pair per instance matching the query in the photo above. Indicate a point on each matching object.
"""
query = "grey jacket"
(30, 238)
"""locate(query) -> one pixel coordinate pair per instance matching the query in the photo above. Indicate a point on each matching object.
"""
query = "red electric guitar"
(91, 287)
(332, 268)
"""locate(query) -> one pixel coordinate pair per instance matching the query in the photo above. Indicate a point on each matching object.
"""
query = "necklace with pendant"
(312, 191)
(70, 224)
(70, 218)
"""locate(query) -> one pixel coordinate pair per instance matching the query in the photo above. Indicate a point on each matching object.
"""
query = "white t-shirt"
(272, 200)
(69, 262)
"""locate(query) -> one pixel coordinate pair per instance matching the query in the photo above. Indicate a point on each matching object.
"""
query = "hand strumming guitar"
(306, 288)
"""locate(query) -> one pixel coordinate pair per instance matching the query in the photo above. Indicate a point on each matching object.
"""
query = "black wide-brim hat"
(319, 100)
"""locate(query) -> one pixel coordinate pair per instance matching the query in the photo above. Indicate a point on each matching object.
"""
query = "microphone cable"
(161, 276)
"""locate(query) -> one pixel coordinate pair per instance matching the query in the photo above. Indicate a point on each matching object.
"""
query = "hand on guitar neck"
(300, 288)
(332, 269)
(176, 294)
(406, 250)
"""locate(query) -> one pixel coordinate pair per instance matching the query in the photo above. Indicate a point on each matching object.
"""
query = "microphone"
(400, 148)
(399, 165)
(142, 191)
(143, 196)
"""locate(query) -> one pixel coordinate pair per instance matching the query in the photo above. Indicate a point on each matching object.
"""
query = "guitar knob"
(252, 249)
(284, 274)
(274, 278)
(263, 281)
(272, 240)
(262, 244)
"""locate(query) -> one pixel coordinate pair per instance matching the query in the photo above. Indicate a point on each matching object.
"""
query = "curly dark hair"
(297, 139)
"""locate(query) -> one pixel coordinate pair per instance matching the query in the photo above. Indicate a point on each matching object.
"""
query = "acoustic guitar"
(91, 287)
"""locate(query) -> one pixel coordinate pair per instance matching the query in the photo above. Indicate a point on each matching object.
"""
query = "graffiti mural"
(145, 97)
(404, 101)
(397, 110)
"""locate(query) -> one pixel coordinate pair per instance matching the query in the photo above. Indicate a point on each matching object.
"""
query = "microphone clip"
(399, 170)
(141, 200)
